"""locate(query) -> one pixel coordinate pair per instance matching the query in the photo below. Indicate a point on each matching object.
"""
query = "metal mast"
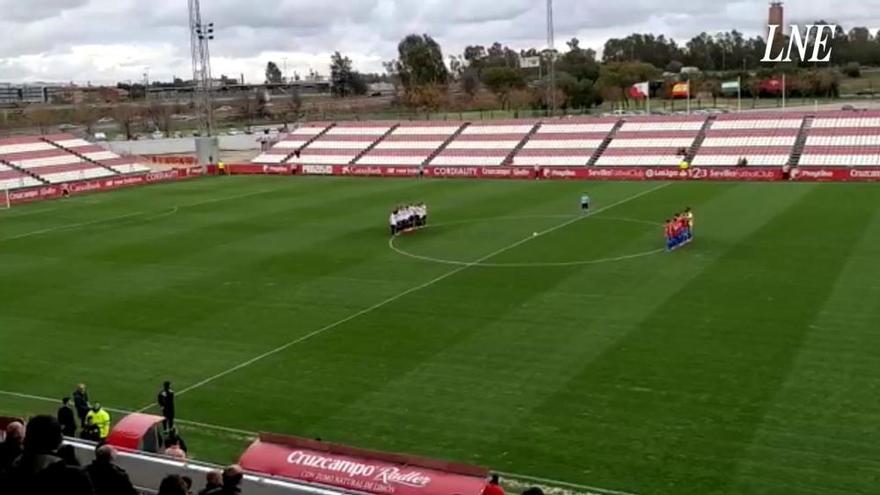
(551, 47)
(200, 35)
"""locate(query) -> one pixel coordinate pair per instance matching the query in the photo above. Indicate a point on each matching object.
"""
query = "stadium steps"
(509, 159)
(698, 141)
(798, 149)
(24, 171)
(80, 156)
(309, 142)
(375, 143)
(445, 144)
(605, 143)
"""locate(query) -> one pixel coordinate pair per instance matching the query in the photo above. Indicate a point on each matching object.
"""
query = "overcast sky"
(110, 40)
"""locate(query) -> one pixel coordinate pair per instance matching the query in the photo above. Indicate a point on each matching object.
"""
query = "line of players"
(410, 217)
(680, 229)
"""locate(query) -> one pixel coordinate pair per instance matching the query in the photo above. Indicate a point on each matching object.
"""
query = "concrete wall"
(181, 146)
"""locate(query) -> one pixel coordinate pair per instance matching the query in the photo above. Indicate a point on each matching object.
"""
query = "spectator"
(172, 485)
(98, 422)
(166, 404)
(493, 488)
(108, 478)
(232, 477)
(68, 454)
(81, 403)
(174, 450)
(39, 469)
(66, 418)
(213, 483)
(189, 484)
(174, 437)
(12, 446)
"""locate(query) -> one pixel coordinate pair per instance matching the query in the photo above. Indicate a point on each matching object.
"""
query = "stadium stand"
(297, 139)
(843, 140)
(567, 144)
(93, 153)
(48, 162)
(341, 144)
(410, 144)
(762, 139)
(652, 141)
(484, 145)
(11, 178)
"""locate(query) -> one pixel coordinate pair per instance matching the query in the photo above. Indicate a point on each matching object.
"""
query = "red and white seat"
(107, 158)
(843, 140)
(564, 144)
(483, 145)
(291, 142)
(14, 179)
(651, 141)
(341, 144)
(49, 162)
(410, 144)
(762, 139)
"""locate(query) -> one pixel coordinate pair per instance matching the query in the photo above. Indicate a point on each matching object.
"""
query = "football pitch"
(746, 363)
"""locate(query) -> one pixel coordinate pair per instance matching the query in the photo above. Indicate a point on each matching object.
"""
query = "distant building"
(776, 17)
(381, 89)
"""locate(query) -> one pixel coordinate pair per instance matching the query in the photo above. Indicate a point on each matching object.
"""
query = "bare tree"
(87, 116)
(40, 117)
(291, 107)
(126, 116)
(161, 115)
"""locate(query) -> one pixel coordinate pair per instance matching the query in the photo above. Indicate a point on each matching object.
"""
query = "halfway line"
(405, 293)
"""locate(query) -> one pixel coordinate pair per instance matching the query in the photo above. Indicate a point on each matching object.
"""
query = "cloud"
(110, 40)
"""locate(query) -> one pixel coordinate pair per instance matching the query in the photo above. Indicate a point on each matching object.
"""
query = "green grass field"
(746, 363)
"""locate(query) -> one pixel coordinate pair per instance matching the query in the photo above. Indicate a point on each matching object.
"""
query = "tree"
(40, 117)
(126, 116)
(273, 74)
(502, 80)
(340, 75)
(470, 82)
(420, 62)
(852, 69)
(87, 116)
(161, 114)
(344, 81)
(291, 107)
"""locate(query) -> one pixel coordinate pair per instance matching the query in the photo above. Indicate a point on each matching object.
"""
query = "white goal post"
(5, 202)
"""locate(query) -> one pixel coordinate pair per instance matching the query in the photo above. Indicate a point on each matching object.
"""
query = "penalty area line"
(387, 301)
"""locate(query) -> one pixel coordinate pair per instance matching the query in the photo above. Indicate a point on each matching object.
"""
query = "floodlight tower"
(200, 35)
(551, 47)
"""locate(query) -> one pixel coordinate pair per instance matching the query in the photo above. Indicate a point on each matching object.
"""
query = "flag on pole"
(640, 91)
(681, 90)
(730, 87)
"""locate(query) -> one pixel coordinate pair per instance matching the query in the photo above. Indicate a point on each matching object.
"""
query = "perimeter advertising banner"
(746, 174)
(79, 187)
(360, 470)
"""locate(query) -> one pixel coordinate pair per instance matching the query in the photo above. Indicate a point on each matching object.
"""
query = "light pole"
(551, 47)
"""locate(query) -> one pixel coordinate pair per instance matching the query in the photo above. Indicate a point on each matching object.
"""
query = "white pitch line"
(197, 424)
(209, 426)
(171, 211)
(403, 294)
